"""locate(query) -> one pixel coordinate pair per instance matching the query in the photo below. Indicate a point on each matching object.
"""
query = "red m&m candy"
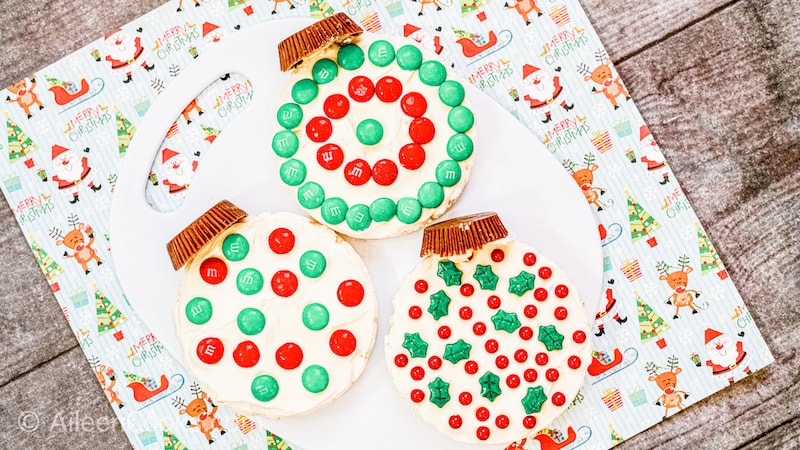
(361, 89)
(210, 350)
(388, 89)
(336, 106)
(246, 354)
(213, 270)
(413, 104)
(421, 130)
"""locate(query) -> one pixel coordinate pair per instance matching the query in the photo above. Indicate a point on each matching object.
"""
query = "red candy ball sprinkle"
(361, 89)
(551, 374)
(421, 286)
(521, 355)
(529, 259)
(513, 381)
(525, 333)
(465, 398)
(465, 313)
(545, 272)
(330, 156)
(357, 172)
(560, 313)
(471, 367)
(542, 358)
(482, 433)
(455, 421)
(559, 399)
(530, 375)
(342, 343)
(417, 373)
(417, 395)
(493, 302)
(284, 283)
(482, 414)
(501, 362)
(246, 354)
(574, 362)
(401, 360)
(319, 129)
(562, 291)
(350, 293)
(479, 328)
(444, 332)
(467, 290)
(412, 156)
(213, 270)
(289, 356)
(210, 350)
(540, 294)
(421, 130)
(498, 255)
(501, 421)
(384, 172)
(281, 241)
(492, 346)
(336, 106)
(530, 311)
(413, 104)
(388, 89)
(529, 422)
(579, 337)
(434, 362)
(415, 312)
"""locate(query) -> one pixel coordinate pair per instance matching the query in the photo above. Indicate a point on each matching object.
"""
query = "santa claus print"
(177, 169)
(124, 52)
(212, 33)
(543, 90)
(72, 170)
(727, 357)
(652, 156)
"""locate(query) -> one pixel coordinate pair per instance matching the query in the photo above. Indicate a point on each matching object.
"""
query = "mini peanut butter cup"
(197, 234)
(336, 28)
(462, 234)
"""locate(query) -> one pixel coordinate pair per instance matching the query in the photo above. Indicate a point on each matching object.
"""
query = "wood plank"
(67, 407)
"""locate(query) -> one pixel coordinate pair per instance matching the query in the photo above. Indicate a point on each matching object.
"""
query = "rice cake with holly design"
(488, 339)
(278, 303)
(374, 135)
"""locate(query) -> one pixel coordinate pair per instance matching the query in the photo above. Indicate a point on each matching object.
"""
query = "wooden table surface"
(717, 81)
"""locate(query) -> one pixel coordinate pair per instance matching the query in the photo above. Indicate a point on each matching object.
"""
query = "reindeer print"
(197, 409)
(24, 96)
(108, 379)
(524, 8)
(192, 106)
(603, 75)
(667, 381)
(422, 4)
(75, 241)
(677, 281)
(585, 177)
(275, 9)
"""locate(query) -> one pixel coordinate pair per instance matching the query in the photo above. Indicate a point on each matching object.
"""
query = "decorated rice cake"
(276, 315)
(374, 135)
(488, 339)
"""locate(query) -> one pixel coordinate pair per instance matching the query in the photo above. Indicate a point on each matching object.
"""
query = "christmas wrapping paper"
(672, 328)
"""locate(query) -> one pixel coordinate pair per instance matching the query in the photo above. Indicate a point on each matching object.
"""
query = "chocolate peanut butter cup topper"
(375, 136)
(276, 302)
(488, 339)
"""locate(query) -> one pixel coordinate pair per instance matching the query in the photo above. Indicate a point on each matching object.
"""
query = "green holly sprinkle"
(521, 284)
(508, 322)
(533, 400)
(457, 351)
(439, 304)
(324, 71)
(485, 277)
(415, 345)
(490, 386)
(550, 337)
(448, 172)
(449, 273)
(440, 392)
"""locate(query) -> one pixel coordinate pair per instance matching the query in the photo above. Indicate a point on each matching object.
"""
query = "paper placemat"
(670, 316)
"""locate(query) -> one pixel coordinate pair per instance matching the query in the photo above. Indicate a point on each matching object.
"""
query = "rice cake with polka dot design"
(488, 346)
(375, 137)
(281, 305)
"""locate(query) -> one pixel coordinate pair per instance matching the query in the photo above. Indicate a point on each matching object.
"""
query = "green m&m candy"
(264, 388)
(333, 210)
(324, 71)
(310, 195)
(312, 263)
(408, 210)
(358, 218)
(381, 53)
(382, 209)
(459, 147)
(235, 247)
(451, 93)
(293, 172)
(285, 143)
(315, 378)
(290, 115)
(350, 57)
(250, 321)
(304, 91)
(315, 316)
(432, 73)
(369, 132)
(249, 281)
(408, 57)
(430, 194)
(460, 119)
(448, 172)
(199, 310)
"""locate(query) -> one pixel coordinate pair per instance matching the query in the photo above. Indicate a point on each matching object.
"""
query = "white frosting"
(395, 126)
(228, 383)
(509, 402)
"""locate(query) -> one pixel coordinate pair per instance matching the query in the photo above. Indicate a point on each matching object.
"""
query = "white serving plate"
(541, 205)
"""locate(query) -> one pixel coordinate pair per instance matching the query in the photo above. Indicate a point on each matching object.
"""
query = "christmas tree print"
(233, 4)
(211, 133)
(615, 437)
(650, 323)
(468, 6)
(19, 144)
(125, 130)
(108, 316)
(709, 258)
(642, 223)
(49, 266)
(274, 442)
(320, 9)
(171, 442)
